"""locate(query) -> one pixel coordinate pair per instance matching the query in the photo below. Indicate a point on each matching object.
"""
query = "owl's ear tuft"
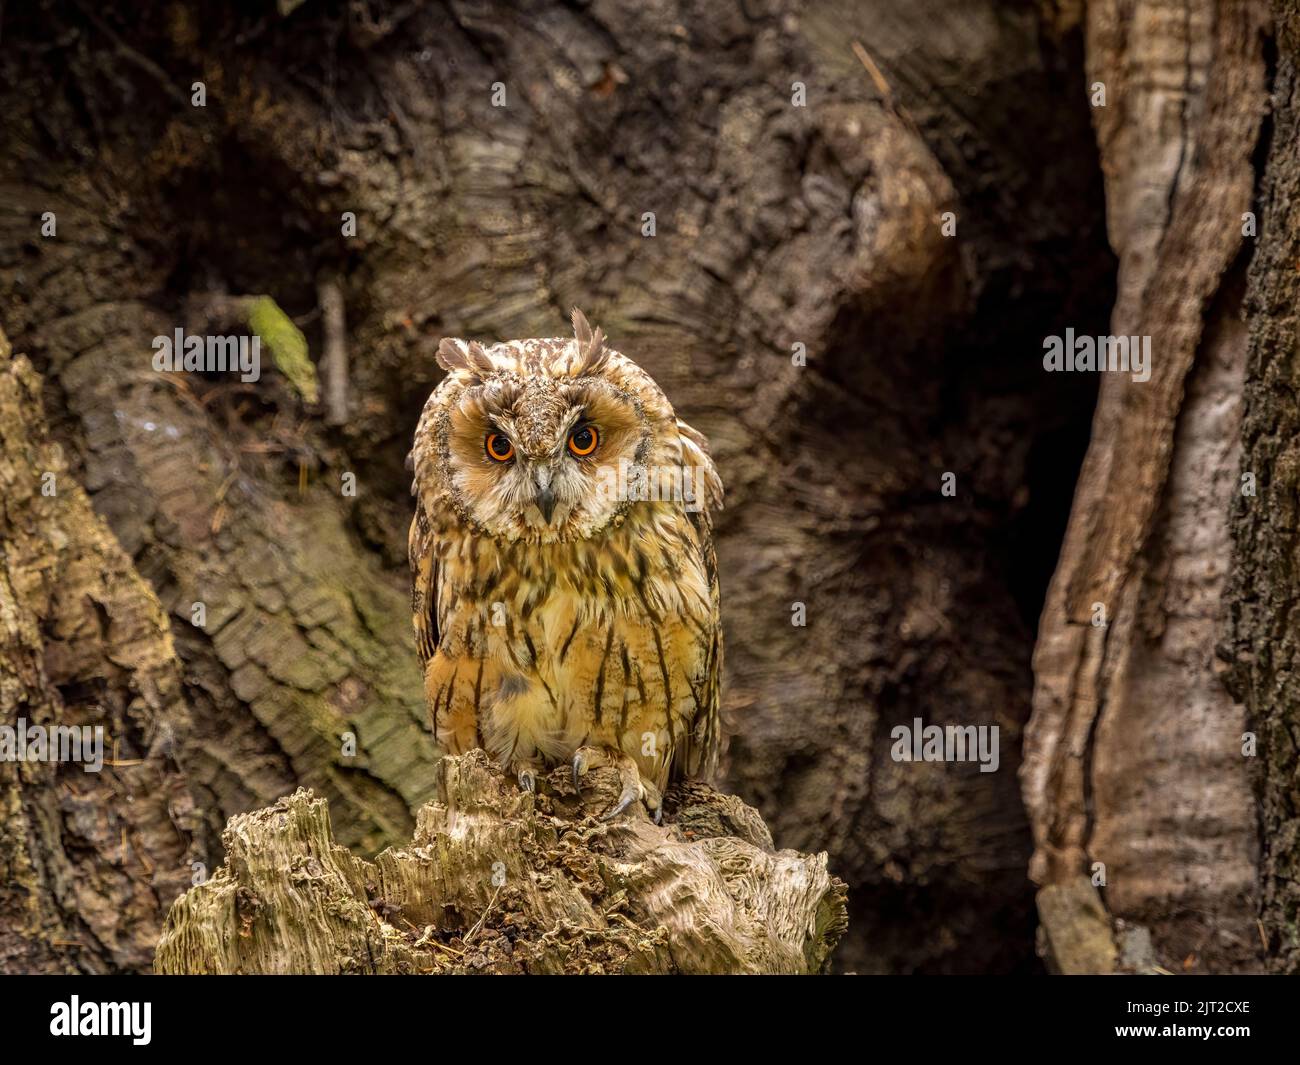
(472, 358)
(581, 328)
(453, 355)
(592, 353)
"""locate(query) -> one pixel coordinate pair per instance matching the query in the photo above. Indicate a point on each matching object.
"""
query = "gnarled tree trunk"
(497, 880)
(1138, 760)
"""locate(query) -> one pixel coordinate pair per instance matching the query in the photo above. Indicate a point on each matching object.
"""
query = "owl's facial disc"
(534, 458)
(564, 500)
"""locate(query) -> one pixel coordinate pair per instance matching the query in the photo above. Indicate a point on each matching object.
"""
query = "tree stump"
(498, 880)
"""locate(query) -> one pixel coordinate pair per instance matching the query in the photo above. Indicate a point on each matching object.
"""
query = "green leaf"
(288, 345)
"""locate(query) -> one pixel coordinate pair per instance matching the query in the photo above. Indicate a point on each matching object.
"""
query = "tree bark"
(89, 861)
(496, 880)
(1134, 774)
(1262, 640)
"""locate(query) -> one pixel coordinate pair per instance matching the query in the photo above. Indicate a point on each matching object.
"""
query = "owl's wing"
(701, 755)
(424, 585)
(695, 455)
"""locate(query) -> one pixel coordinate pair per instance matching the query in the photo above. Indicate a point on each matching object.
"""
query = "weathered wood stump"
(497, 880)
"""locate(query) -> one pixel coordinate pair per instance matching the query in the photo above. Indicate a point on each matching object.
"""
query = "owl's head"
(532, 434)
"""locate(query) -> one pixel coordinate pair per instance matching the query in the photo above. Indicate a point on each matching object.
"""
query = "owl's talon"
(629, 776)
(528, 780)
(632, 791)
(654, 802)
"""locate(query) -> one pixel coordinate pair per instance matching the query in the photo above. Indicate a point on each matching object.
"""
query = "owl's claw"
(528, 780)
(633, 787)
(632, 791)
(654, 802)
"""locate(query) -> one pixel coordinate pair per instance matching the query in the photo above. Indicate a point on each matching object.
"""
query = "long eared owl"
(565, 584)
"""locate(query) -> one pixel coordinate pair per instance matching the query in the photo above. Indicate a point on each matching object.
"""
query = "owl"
(565, 585)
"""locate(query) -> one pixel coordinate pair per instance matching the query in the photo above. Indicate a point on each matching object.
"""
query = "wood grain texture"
(1133, 754)
(497, 880)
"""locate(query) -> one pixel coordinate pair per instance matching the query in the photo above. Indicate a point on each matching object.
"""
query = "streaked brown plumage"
(560, 617)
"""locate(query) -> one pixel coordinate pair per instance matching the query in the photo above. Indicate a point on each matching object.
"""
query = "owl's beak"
(545, 498)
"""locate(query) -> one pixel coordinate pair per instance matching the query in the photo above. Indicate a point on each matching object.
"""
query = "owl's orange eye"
(499, 448)
(583, 440)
